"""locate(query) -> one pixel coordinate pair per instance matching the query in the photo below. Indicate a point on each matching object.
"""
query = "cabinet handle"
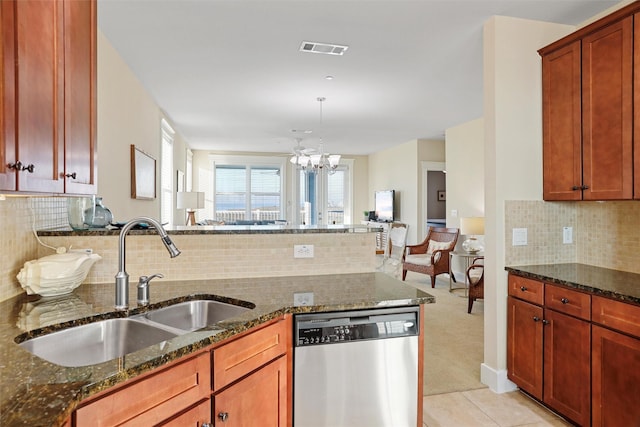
(28, 168)
(523, 288)
(15, 166)
(223, 416)
(576, 188)
(536, 318)
(73, 176)
(207, 425)
(564, 300)
(585, 187)
(545, 322)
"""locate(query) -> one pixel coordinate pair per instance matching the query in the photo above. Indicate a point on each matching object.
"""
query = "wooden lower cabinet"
(549, 352)
(615, 357)
(567, 348)
(259, 399)
(153, 399)
(524, 346)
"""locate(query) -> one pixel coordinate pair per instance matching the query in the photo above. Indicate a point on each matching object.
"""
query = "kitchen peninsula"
(35, 392)
(223, 252)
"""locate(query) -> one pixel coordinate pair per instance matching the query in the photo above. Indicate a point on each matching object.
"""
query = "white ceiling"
(229, 74)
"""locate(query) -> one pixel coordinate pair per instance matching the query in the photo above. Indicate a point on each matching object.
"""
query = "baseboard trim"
(496, 380)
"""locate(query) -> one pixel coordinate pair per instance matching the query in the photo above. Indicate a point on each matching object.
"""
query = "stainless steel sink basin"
(194, 315)
(96, 342)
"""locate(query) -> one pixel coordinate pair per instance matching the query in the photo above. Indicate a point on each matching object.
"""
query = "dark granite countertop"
(619, 285)
(218, 229)
(34, 392)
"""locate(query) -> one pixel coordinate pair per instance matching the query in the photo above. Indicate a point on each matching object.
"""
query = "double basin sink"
(109, 339)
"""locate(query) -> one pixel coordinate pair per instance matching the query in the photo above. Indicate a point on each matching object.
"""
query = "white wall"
(127, 115)
(513, 158)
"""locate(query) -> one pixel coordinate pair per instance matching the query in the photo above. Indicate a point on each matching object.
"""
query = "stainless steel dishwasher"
(356, 368)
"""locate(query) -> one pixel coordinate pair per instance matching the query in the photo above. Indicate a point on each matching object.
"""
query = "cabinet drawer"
(616, 315)
(152, 399)
(568, 301)
(238, 358)
(526, 289)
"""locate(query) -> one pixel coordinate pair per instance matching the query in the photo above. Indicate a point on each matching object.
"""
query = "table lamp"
(472, 227)
(190, 200)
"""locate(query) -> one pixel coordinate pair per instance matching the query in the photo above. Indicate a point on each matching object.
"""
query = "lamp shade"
(190, 200)
(472, 226)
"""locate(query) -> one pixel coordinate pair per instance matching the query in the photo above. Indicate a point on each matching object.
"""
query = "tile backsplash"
(605, 234)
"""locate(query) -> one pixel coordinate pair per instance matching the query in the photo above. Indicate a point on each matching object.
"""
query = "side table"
(468, 260)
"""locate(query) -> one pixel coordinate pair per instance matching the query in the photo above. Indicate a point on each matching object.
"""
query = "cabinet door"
(7, 93)
(524, 346)
(607, 108)
(257, 400)
(80, 96)
(615, 377)
(636, 104)
(561, 124)
(40, 77)
(567, 366)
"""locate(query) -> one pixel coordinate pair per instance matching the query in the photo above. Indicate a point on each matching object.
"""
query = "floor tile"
(453, 409)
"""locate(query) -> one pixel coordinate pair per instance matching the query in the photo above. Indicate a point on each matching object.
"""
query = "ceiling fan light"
(334, 160)
(315, 160)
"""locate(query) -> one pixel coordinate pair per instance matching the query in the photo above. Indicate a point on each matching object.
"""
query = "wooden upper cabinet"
(40, 111)
(607, 116)
(562, 141)
(636, 103)
(48, 108)
(588, 112)
(7, 93)
(80, 97)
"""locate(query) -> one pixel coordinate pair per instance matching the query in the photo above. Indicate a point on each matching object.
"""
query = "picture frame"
(442, 195)
(143, 175)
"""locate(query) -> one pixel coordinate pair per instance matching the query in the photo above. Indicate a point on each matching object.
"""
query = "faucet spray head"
(171, 247)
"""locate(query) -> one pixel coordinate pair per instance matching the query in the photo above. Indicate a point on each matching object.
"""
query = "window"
(325, 198)
(248, 188)
(166, 173)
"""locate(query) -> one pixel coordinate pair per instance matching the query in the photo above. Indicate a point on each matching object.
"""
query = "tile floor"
(484, 408)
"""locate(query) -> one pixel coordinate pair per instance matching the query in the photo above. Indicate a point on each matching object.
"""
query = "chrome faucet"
(122, 278)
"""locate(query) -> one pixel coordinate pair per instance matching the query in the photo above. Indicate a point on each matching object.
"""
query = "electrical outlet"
(303, 251)
(567, 235)
(84, 251)
(519, 237)
(302, 298)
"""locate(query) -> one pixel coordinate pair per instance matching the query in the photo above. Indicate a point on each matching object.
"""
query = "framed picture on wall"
(143, 175)
(442, 195)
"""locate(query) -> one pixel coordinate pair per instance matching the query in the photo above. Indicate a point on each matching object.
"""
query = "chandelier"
(311, 161)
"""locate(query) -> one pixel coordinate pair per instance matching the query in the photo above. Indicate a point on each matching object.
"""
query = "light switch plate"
(519, 237)
(567, 235)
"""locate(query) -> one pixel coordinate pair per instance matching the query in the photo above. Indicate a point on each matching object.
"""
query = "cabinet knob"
(536, 318)
(523, 288)
(584, 187)
(576, 187)
(545, 322)
(222, 416)
(29, 168)
(564, 300)
(207, 425)
(71, 175)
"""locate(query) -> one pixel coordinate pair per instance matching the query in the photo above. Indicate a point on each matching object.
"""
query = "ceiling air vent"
(326, 48)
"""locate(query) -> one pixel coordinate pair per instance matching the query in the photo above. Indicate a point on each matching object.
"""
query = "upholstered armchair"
(475, 279)
(431, 257)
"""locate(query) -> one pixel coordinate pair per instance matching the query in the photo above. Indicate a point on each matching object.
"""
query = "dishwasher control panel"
(339, 327)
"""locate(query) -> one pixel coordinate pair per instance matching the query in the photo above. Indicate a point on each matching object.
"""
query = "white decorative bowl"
(56, 274)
